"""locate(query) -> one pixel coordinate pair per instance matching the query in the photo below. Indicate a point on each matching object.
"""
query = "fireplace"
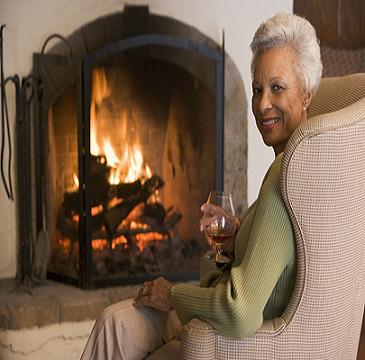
(130, 142)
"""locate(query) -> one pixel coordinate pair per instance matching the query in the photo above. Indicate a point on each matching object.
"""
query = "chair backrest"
(323, 186)
(336, 93)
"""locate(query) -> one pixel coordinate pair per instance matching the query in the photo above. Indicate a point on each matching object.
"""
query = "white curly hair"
(295, 32)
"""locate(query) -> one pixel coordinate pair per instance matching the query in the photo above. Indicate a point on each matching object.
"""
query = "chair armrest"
(201, 341)
(198, 341)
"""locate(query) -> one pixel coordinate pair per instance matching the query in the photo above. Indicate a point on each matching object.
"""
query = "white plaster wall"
(30, 22)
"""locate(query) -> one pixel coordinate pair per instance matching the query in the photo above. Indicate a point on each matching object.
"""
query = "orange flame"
(100, 244)
(129, 164)
(143, 239)
(126, 165)
(76, 180)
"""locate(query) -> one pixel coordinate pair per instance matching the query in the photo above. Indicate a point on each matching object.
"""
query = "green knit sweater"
(262, 277)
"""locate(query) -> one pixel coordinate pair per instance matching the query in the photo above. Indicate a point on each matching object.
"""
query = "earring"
(304, 109)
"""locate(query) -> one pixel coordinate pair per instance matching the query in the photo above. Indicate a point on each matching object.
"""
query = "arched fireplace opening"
(130, 144)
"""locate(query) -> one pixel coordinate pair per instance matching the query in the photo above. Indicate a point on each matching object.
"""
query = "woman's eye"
(255, 91)
(277, 87)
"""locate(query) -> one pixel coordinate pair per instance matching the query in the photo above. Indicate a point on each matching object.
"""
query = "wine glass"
(222, 225)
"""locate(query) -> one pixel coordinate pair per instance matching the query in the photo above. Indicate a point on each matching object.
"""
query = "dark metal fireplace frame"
(79, 72)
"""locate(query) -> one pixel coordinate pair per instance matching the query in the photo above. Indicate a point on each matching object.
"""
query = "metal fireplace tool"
(31, 268)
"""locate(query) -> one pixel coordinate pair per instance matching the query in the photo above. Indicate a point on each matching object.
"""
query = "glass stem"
(218, 248)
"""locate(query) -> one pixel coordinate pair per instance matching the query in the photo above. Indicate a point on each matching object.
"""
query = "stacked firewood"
(114, 203)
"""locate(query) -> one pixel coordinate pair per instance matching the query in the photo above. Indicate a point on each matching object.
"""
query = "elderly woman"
(286, 70)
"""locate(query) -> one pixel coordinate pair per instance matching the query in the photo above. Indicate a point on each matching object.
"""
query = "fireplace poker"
(42, 243)
(26, 94)
(5, 128)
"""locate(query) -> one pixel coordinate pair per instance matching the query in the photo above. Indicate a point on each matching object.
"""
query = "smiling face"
(277, 99)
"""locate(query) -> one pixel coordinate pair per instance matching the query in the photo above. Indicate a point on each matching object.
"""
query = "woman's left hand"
(155, 294)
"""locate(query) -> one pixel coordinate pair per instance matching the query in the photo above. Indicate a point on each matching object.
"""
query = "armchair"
(323, 186)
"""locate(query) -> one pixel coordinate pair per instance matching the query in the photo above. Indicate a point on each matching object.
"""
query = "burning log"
(114, 216)
(123, 190)
(119, 212)
(70, 227)
(111, 204)
(154, 214)
(101, 191)
(99, 185)
(132, 195)
(99, 181)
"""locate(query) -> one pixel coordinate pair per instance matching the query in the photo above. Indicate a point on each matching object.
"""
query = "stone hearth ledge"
(55, 303)
(54, 323)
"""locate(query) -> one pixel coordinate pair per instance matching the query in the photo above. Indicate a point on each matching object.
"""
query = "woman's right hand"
(209, 212)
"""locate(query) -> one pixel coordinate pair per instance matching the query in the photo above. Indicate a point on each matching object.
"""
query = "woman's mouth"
(269, 123)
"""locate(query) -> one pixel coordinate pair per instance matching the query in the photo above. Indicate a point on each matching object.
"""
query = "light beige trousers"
(123, 332)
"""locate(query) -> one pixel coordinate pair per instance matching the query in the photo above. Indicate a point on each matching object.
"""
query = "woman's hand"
(209, 212)
(155, 294)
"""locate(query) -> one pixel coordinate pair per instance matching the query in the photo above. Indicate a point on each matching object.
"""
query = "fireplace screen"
(132, 145)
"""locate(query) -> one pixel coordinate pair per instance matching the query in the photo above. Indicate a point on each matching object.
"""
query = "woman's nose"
(265, 103)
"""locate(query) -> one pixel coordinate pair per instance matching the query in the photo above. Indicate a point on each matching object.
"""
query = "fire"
(126, 164)
(76, 181)
(143, 239)
(121, 240)
(100, 244)
(125, 160)
(94, 147)
(97, 244)
(127, 167)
